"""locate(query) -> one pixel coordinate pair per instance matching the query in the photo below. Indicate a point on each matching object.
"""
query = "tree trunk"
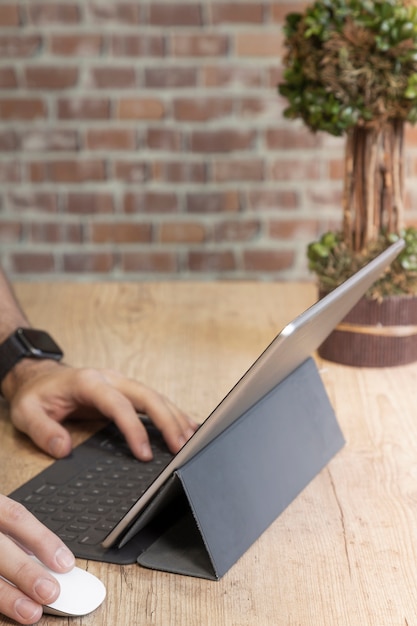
(374, 183)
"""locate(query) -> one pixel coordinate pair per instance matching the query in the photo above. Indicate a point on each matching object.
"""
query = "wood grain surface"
(343, 553)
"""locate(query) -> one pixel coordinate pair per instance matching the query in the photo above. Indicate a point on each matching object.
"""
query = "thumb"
(58, 443)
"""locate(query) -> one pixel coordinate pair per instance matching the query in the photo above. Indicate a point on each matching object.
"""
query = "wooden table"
(344, 552)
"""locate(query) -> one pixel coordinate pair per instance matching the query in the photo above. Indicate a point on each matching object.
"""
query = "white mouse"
(81, 593)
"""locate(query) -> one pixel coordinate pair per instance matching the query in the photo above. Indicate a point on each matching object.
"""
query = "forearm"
(12, 315)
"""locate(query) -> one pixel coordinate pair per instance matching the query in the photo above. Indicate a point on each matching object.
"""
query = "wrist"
(25, 352)
(26, 369)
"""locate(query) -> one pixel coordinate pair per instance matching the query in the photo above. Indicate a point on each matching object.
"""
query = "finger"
(18, 606)
(30, 418)
(32, 580)
(23, 527)
(119, 409)
(175, 426)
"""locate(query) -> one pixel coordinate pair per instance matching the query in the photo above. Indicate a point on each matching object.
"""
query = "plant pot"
(375, 334)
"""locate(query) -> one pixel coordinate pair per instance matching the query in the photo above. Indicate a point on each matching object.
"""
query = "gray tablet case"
(223, 499)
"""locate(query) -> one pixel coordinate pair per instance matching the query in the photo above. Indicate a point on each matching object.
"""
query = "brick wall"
(144, 139)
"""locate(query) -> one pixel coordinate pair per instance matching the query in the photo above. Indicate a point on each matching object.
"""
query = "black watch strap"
(26, 343)
(11, 351)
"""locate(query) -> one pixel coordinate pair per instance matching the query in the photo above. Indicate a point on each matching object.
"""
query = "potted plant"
(351, 69)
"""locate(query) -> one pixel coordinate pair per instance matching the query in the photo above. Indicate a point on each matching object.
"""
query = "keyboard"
(82, 497)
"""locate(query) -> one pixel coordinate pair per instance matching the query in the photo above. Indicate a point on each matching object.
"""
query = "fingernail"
(56, 447)
(28, 610)
(181, 441)
(64, 558)
(46, 589)
(146, 452)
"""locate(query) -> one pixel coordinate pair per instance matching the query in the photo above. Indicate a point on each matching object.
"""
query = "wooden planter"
(375, 334)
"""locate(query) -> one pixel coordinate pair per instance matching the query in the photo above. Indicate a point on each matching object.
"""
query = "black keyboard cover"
(82, 497)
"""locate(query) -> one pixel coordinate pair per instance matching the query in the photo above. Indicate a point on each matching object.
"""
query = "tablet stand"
(226, 496)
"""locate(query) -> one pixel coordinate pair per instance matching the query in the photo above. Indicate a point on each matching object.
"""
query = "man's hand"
(43, 393)
(24, 584)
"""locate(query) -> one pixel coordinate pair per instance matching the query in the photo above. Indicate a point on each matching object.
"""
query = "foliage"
(351, 68)
(351, 62)
(333, 262)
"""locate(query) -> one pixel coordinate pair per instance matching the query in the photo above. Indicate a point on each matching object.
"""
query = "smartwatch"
(27, 343)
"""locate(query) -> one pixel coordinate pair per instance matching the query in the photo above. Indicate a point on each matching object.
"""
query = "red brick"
(95, 262)
(204, 160)
(228, 76)
(213, 202)
(51, 77)
(181, 232)
(172, 77)
(224, 171)
(110, 139)
(30, 201)
(200, 45)
(256, 107)
(222, 140)
(9, 15)
(54, 232)
(19, 46)
(326, 197)
(22, 109)
(280, 10)
(150, 202)
(138, 45)
(140, 108)
(211, 261)
(289, 139)
(294, 169)
(120, 232)
(114, 12)
(180, 172)
(149, 262)
(113, 77)
(237, 13)
(178, 14)
(49, 140)
(336, 169)
(275, 200)
(271, 260)
(290, 229)
(202, 110)
(276, 76)
(10, 172)
(84, 108)
(37, 172)
(89, 203)
(10, 232)
(163, 139)
(259, 44)
(237, 230)
(32, 262)
(84, 45)
(46, 13)
(8, 140)
(8, 78)
(75, 171)
(131, 171)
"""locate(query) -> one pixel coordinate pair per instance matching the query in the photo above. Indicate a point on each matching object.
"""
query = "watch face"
(39, 343)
